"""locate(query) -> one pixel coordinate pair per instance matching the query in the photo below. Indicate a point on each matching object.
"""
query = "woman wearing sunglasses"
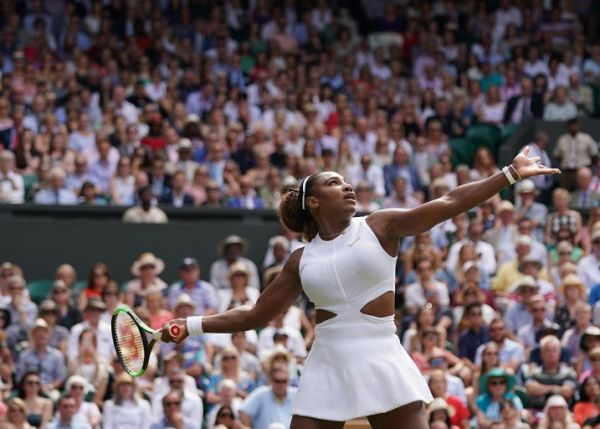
(494, 387)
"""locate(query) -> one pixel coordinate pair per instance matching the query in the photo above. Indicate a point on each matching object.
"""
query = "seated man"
(526, 334)
(511, 353)
(552, 377)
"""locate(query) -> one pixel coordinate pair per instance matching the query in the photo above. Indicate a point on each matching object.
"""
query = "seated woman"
(556, 414)
(494, 386)
(439, 410)
(38, 407)
(589, 398)
(279, 355)
(424, 318)
(146, 270)
(240, 293)
(15, 414)
(98, 278)
(127, 408)
(229, 367)
(439, 389)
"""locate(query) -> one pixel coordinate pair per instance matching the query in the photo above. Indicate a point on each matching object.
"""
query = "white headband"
(304, 193)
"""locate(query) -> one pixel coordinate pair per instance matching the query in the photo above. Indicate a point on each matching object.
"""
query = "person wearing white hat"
(516, 313)
(557, 414)
(503, 235)
(527, 207)
(146, 268)
(508, 273)
(231, 249)
(12, 189)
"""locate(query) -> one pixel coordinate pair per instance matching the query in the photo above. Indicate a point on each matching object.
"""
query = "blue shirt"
(164, 424)
(50, 365)
(264, 408)
(203, 295)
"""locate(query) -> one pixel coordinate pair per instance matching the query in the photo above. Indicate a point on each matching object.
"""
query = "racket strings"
(129, 344)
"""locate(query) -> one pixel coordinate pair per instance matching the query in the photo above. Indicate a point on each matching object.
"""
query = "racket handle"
(175, 331)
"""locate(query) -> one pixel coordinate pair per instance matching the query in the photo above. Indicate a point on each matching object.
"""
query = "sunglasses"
(33, 382)
(595, 359)
(229, 358)
(498, 382)
(76, 387)
(177, 380)
(280, 381)
(226, 415)
(172, 404)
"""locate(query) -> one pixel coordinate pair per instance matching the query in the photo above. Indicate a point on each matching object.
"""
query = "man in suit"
(584, 197)
(524, 107)
(176, 195)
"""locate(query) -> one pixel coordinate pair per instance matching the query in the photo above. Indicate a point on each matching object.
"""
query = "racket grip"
(175, 331)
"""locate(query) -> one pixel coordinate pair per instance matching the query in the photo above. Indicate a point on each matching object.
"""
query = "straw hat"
(124, 378)
(233, 239)
(525, 281)
(238, 268)
(439, 404)
(591, 331)
(573, 280)
(147, 259)
(184, 299)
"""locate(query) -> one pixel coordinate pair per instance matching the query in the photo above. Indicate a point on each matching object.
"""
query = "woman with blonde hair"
(16, 414)
(229, 367)
(127, 409)
(90, 365)
(279, 356)
(146, 269)
(556, 414)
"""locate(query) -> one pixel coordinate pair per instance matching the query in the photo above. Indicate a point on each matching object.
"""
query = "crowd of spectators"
(153, 104)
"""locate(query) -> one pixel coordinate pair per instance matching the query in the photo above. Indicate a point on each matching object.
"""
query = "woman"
(588, 405)
(197, 187)
(563, 220)
(98, 279)
(422, 320)
(573, 292)
(155, 303)
(557, 415)
(39, 408)
(510, 415)
(90, 366)
(239, 294)
(226, 418)
(439, 410)
(348, 271)
(483, 164)
(122, 184)
(490, 359)
(495, 386)
(76, 386)
(127, 409)
(439, 389)
(146, 269)
(229, 368)
(16, 414)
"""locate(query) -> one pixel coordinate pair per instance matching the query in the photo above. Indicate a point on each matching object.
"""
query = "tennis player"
(357, 366)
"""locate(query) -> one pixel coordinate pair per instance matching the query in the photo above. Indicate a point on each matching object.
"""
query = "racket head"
(130, 339)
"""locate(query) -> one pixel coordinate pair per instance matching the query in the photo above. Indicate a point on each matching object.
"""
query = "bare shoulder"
(380, 220)
(293, 262)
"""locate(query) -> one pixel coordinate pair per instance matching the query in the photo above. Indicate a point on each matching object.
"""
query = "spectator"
(584, 197)
(573, 151)
(588, 268)
(269, 404)
(22, 311)
(438, 385)
(41, 357)
(189, 403)
(92, 320)
(67, 407)
(247, 198)
(560, 108)
(16, 414)
(494, 386)
(127, 406)
(202, 293)
(56, 193)
(173, 416)
(527, 334)
(552, 377)
(538, 148)
(477, 333)
(145, 213)
(38, 408)
(12, 189)
(556, 411)
(587, 405)
(232, 249)
(277, 332)
(511, 353)
(239, 294)
(572, 337)
(122, 184)
(175, 195)
(439, 410)
(146, 268)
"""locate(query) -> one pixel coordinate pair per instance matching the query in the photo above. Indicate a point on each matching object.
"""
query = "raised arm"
(395, 223)
(275, 299)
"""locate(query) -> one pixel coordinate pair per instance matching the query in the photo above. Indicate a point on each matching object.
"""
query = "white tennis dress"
(357, 366)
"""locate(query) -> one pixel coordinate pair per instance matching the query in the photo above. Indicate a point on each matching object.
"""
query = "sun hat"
(590, 331)
(439, 404)
(496, 373)
(573, 280)
(147, 258)
(238, 268)
(525, 281)
(233, 239)
(555, 401)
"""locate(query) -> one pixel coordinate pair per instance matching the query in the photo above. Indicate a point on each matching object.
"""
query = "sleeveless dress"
(357, 366)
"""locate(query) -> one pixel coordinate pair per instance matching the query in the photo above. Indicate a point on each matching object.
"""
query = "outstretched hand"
(166, 333)
(528, 166)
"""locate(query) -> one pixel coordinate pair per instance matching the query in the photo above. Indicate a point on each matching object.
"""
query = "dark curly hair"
(291, 214)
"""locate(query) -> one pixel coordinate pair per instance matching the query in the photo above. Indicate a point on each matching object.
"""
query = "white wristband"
(194, 325)
(508, 175)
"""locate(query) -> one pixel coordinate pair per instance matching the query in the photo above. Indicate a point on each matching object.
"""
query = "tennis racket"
(133, 340)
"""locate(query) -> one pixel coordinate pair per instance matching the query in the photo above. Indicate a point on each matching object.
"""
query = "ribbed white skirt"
(356, 368)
